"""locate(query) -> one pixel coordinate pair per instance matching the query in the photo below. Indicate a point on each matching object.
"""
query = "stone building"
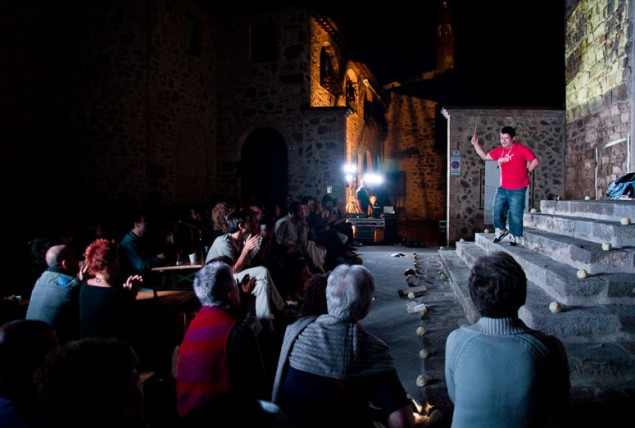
(130, 104)
(292, 118)
(125, 104)
(600, 120)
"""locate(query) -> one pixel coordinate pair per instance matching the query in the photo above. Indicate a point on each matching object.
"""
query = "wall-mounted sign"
(455, 162)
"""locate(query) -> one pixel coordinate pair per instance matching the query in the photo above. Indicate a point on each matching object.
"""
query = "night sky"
(512, 50)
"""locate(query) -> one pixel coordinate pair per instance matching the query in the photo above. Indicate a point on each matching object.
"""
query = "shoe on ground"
(513, 240)
(500, 234)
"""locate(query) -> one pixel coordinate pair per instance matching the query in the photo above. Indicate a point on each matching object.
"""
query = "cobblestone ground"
(412, 336)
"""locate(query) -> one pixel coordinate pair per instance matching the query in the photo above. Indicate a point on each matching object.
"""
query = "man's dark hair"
(235, 219)
(326, 198)
(498, 285)
(295, 205)
(305, 199)
(508, 130)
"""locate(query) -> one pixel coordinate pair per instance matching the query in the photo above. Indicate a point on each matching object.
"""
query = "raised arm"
(479, 150)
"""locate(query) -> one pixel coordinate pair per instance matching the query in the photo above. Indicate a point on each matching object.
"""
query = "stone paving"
(390, 320)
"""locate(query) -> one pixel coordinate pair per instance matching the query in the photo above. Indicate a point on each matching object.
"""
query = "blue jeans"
(509, 204)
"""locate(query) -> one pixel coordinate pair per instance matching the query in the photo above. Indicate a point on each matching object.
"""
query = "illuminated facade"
(599, 95)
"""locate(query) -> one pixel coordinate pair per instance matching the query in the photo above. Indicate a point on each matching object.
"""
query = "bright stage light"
(375, 179)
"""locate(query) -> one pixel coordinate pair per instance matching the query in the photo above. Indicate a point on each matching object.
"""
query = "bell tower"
(444, 39)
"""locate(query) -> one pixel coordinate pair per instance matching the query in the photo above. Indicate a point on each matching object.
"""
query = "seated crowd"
(269, 336)
(86, 290)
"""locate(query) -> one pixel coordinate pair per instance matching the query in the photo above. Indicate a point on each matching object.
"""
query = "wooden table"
(183, 274)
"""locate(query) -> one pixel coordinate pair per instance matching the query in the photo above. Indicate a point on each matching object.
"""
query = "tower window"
(351, 90)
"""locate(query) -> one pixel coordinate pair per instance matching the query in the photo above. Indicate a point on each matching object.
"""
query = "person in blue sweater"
(499, 372)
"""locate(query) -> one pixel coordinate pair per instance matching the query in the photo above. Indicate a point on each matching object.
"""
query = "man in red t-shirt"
(509, 202)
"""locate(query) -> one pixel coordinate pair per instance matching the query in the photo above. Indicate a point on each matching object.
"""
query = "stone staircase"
(597, 322)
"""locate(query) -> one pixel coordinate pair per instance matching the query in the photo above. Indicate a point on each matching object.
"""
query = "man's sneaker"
(500, 234)
(512, 240)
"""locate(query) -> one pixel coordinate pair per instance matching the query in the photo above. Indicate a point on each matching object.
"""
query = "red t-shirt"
(513, 164)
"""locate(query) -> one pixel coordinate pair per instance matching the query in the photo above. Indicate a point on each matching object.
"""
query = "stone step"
(600, 231)
(598, 360)
(579, 322)
(611, 210)
(560, 280)
(580, 253)
(457, 269)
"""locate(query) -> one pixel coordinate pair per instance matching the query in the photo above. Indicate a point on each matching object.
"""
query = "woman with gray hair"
(331, 369)
(220, 352)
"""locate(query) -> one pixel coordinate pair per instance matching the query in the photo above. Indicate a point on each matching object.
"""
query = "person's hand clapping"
(247, 284)
(83, 269)
(133, 283)
(252, 242)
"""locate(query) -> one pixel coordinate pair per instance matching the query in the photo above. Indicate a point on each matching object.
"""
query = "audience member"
(106, 296)
(238, 244)
(499, 372)
(362, 195)
(323, 232)
(263, 254)
(137, 257)
(292, 235)
(314, 299)
(219, 214)
(23, 348)
(337, 220)
(273, 213)
(220, 352)
(55, 296)
(91, 382)
(331, 368)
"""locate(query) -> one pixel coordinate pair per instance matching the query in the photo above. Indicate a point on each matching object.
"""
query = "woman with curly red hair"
(105, 297)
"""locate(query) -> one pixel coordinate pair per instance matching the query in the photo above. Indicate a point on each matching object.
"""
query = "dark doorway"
(264, 167)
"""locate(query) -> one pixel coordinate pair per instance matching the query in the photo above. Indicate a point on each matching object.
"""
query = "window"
(351, 95)
(328, 72)
(263, 43)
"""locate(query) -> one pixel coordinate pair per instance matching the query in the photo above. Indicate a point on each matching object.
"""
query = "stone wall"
(132, 104)
(284, 96)
(540, 130)
(410, 147)
(118, 112)
(599, 106)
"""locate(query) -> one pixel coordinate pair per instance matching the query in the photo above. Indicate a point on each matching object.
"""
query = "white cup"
(192, 258)
(263, 227)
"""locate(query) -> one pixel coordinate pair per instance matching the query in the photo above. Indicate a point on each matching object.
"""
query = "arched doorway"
(264, 170)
